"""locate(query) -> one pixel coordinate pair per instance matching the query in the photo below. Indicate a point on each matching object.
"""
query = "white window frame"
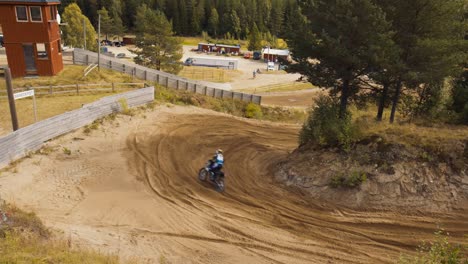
(27, 14)
(30, 14)
(39, 57)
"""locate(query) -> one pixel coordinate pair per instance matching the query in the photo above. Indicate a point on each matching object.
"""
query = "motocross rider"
(217, 163)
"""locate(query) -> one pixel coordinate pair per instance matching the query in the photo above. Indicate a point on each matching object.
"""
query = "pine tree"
(156, 45)
(344, 36)
(107, 23)
(213, 23)
(255, 42)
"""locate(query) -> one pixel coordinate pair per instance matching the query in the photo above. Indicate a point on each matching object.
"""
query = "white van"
(270, 66)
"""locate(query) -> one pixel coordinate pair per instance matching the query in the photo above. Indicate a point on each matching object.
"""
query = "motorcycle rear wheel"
(220, 185)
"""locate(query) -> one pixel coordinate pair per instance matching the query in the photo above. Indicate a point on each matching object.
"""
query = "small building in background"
(129, 39)
(219, 48)
(275, 55)
(31, 36)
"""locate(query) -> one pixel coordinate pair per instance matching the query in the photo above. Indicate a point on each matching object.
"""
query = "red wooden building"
(219, 48)
(31, 36)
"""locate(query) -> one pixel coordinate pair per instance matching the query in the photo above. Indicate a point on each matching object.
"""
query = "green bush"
(438, 251)
(355, 179)
(324, 126)
(253, 111)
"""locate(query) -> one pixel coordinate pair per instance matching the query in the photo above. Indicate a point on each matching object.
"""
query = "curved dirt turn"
(131, 188)
(256, 220)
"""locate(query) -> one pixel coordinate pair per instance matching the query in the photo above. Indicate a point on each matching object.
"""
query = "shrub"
(324, 126)
(353, 180)
(66, 151)
(124, 107)
(253, 111)
(438, 251)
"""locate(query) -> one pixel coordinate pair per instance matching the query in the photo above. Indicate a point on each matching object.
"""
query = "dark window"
(21, 13)
(36, 14)
(41, 50)
(53, 12)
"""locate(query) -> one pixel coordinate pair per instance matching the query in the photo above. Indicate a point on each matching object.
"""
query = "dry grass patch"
(282, 87)
(406, 133)
(72, 74)
(209, 74)
(24, 239)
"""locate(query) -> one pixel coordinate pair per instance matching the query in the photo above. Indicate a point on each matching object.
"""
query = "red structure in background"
(31, 36)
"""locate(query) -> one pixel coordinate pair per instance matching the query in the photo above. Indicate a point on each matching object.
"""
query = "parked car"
(121, 55)
(106, 42)
(257, 55)
(1, 41)
(270, 66)
(247, 55)
(119, 43)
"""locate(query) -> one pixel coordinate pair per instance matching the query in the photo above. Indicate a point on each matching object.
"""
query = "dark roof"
(29, 1)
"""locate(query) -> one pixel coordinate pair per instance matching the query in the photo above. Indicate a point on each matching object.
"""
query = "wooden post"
(206, 88)
(195, 88)
(157, 78)
(11, 99)
(77, 89)
(87, 59)
(251, 98)
(242, 96)
(50, 89)
(167, 81)
(232, 95)
(177, 84)
(222, 93)
(186, 86)
(113, 87)
(35, 107)
(146, 75)
(123, 68)
(110, 64)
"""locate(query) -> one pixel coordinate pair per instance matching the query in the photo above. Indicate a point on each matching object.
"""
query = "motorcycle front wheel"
(202, 174)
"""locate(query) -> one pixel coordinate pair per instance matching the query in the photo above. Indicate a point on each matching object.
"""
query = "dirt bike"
(205, 174)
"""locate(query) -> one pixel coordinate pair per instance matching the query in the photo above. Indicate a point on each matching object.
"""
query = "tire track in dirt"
(255, 214)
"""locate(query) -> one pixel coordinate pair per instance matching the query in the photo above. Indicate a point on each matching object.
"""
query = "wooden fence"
(77, 89)
(219, 90)
(19, 143)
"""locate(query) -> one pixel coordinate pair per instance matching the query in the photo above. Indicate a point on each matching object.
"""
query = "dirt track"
(132, 189)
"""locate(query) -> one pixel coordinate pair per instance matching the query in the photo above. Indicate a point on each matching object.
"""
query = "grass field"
(283, 87)
(209, 74)
(48, 106)
(72, 74)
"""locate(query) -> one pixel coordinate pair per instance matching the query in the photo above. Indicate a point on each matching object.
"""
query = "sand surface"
(131, 188)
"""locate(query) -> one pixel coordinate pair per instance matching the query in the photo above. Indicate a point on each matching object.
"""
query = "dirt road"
(131, 188)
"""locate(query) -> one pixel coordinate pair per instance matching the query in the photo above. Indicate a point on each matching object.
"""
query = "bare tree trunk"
(396, 98)
(383, 98)
(344, 98)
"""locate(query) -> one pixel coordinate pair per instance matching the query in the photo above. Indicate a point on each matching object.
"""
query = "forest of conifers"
(191, 17)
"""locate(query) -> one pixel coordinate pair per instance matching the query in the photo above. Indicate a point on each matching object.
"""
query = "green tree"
(156, 46)
(429, 35)
(460, 97)
(73, 31)
(107, 22)
(213, 23)
(255, 40)
(344, 36)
